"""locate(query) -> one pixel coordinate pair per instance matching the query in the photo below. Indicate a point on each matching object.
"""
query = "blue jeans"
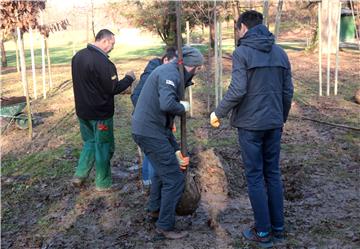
(260, 152)
(167, 184)
(147, 171)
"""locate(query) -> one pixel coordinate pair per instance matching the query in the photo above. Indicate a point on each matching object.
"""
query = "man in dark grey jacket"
(259, 97)
(152, 122)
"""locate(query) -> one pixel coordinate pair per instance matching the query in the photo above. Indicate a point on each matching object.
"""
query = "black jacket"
(158, 102)
(261, 87)
(95, 83)
(154, 63)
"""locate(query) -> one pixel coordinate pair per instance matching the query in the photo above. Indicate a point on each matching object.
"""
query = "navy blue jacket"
(95, 82)
(154, 63)
(261, 87)
(158, 103)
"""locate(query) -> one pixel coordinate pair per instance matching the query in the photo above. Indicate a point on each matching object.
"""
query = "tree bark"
(332, 13)
(236, 13)
(24, 81)
(92, 19)
(3, 54)
(266, 13)
(278, 18)
(17, 55)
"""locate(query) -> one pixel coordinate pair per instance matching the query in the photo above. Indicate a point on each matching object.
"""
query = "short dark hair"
(170, 53)
(104, 33)
(250, 18)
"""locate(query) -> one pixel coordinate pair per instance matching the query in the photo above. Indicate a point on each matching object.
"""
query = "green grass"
(48, 163)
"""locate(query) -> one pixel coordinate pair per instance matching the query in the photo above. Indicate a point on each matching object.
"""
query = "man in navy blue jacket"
(259, 97)
(152, 123)
(170, 54)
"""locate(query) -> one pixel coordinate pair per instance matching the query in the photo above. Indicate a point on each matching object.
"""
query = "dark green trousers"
(98, 148)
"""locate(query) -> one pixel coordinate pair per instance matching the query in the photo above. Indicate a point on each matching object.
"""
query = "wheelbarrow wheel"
(22, 123)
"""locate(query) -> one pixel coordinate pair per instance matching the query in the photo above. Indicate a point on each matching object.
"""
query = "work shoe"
(262, 241)
(278, 236)
(152, 217)
(104, 190)
(77, 181)
(173, 234)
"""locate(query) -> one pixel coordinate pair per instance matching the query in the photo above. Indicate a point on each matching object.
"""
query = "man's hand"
(183, 161)
(214, 121)
(131, 74)
(186, 105)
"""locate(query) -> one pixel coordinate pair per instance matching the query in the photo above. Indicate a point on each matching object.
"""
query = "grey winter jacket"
(158, 103)
(261, 87)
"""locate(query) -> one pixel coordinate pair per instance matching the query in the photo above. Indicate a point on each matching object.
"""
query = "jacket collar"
(93, 47)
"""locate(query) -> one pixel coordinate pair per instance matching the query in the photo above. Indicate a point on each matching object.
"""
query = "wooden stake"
(33, 62)
(329, 48)
(337, 51)
(49, 62)
(24, 80)
(43, 57)
(320, 49)
(220, 63)
(20, 45)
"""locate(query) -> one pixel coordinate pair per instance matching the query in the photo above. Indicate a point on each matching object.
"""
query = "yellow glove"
(183, 161)
(214, 121)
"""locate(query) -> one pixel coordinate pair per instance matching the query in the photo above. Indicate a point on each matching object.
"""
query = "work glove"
(186, 105)
(183, 161)
(131, 74)
(214, 121)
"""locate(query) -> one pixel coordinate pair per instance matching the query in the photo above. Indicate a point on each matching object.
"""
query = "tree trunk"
(328, 25)
(3, 54)
(24, 81)
(236, 13)
(278, 18)
(182, 83)
(92, 19)
(17, 55)
(266, 13)
(212, 34)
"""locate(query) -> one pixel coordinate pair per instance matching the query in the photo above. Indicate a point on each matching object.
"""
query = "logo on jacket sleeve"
(169, 82)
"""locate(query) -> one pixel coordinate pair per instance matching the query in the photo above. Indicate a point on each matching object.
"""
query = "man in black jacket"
(259, 97)
(95, 82)
(152, 123)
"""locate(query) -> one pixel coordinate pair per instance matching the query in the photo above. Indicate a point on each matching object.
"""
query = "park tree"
(21, 14)
(155, 16)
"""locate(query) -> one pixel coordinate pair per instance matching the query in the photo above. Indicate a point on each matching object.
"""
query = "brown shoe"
(77, 181)
(173, 234)
(152, 217)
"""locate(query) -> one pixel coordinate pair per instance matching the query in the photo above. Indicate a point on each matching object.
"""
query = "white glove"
(186, 105)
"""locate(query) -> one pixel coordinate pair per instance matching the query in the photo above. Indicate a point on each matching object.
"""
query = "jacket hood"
(259, 38)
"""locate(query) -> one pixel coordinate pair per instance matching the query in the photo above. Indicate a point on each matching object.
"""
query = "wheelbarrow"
(12, 111)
